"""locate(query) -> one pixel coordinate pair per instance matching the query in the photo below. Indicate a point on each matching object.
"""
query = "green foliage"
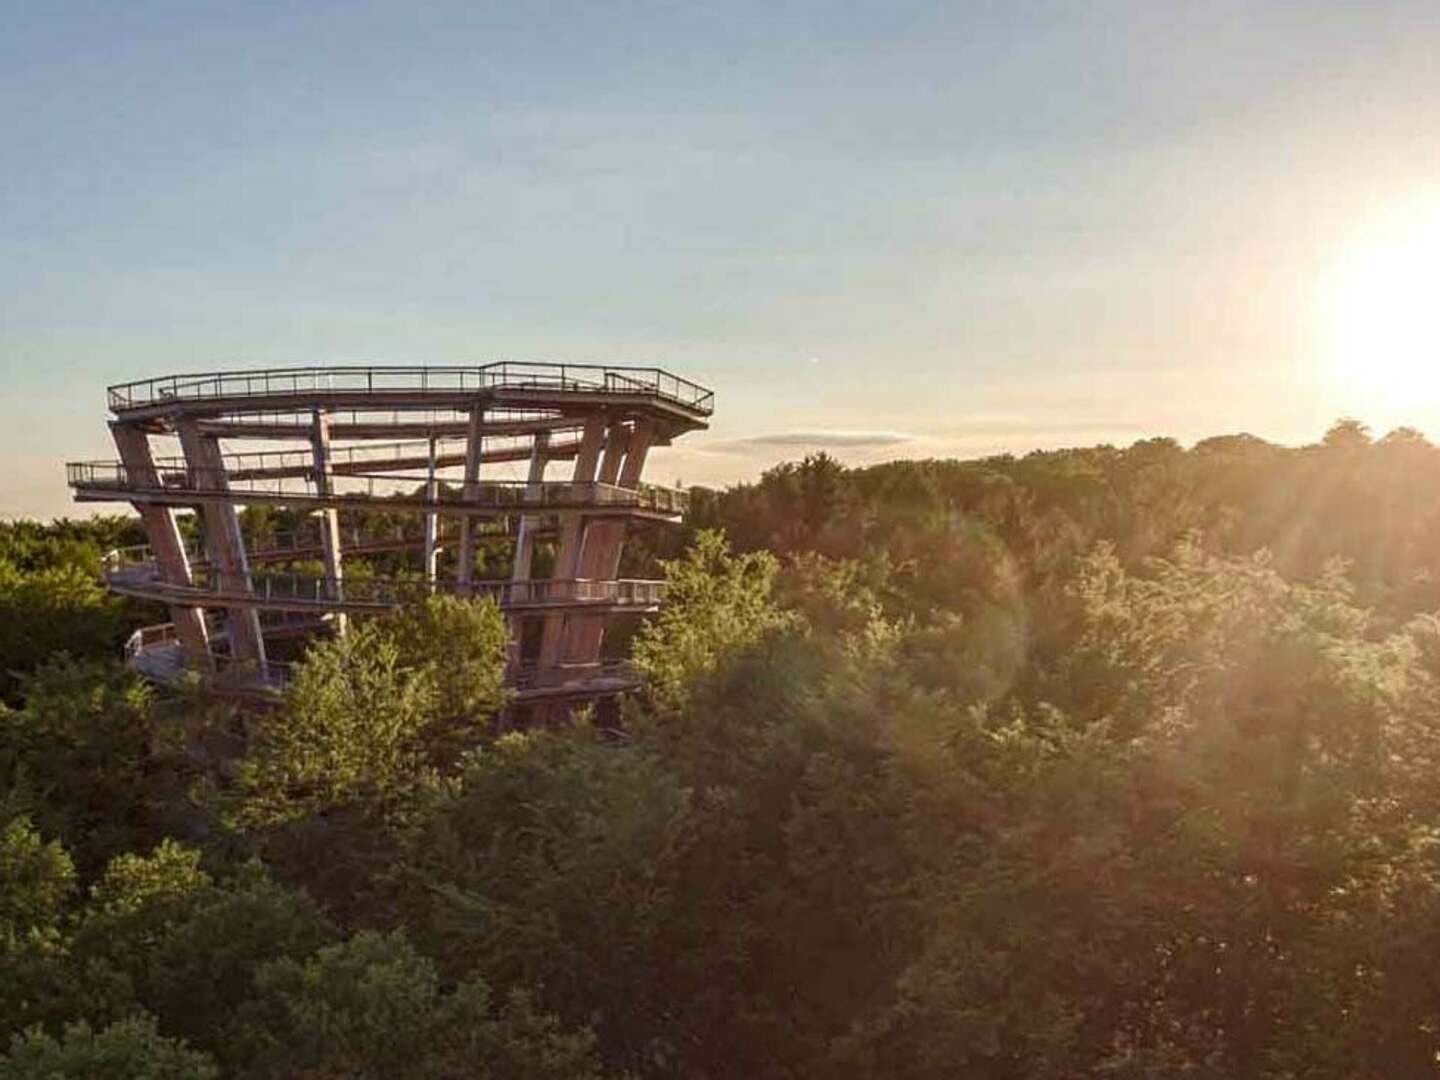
(715, 601)
(36, 881)
(51, 597)
(547, 867)
(199, 975)
(130, 1049)
(87, 755)
(62, 608)
(1026, 767)
(348, 735)
(372, 1007)
(461, 646)
(155, 932)
(371, 718)
(1193, 865)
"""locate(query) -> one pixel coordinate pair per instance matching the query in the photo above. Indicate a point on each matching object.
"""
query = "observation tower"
(397, 467)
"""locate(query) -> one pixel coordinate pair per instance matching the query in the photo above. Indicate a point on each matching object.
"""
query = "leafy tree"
(1181, 871)
(62, 608)
(715, 601)
(461, 645)
(371, 718)
(125, 1050)
(198, 972)
(1347, 434)
(90, 756)
(548, 867)
(373, 1007)
(36, 881)
(350, 733)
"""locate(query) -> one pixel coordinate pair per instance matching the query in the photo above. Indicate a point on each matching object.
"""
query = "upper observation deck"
(566, 388)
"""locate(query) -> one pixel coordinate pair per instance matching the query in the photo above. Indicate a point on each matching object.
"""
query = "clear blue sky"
(887, 229)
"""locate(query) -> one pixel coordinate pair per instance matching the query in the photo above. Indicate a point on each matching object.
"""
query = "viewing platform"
(136, 572)
(105, 481)
(510, 383)
(157, 653)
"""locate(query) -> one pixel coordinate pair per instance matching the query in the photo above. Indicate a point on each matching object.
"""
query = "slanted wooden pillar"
(223, 540)
(469, 527)
(432, 490)
(525, 540)
(163, 531)
(567, 559)
(604, 544)
(329, 516)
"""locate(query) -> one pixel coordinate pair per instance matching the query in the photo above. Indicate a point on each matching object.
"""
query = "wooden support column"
(525, 540)
(162, 529)
(223, 539)
(474, 438)
(604, 544)
(567, 560)
(432, 550)
(329, 516)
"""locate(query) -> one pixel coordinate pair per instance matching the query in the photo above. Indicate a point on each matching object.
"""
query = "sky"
(879, 229)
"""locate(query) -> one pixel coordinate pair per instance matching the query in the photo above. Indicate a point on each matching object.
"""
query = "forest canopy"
(1105, 762)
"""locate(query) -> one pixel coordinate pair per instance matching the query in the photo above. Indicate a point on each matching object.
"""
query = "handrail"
(165, 634)
(326, 592)
(242, 675)
(114, 476)
(270, 676)
(411, 453)
(371, 379)
(273, 547)
(532, 677)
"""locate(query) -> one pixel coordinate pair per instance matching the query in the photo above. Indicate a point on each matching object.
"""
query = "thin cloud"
(801, 439)
(1020, 425)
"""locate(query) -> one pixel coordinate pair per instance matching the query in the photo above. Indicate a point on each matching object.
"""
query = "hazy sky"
(886, 229)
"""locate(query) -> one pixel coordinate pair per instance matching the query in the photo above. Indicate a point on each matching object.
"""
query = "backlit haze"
(882, 230)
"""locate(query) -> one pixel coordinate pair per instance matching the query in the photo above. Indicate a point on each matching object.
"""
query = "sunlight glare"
(1382, 304)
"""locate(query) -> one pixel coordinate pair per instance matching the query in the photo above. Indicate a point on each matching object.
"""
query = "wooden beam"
(377, 429)
(525, 541)
(470, 491)
(567, 559)
(603, 548)
(329, 516)
(408, 463)
(223, 539)
(432, 520)
(162, 529)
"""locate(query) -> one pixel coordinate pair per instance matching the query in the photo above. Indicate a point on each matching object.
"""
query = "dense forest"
(1104, 762)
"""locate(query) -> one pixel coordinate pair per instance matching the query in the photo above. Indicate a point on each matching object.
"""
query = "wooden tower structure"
(417, 449)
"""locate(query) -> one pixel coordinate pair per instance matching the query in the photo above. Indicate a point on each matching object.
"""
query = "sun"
(1381, 304)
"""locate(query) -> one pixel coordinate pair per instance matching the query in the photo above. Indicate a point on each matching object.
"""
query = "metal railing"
(518, 495)
(289, 544)
(394, 456)
(140, 576)
(270, 677)
(529, 677)
(165, 635)
(157, 652)
(384, 379)
(148, 638)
